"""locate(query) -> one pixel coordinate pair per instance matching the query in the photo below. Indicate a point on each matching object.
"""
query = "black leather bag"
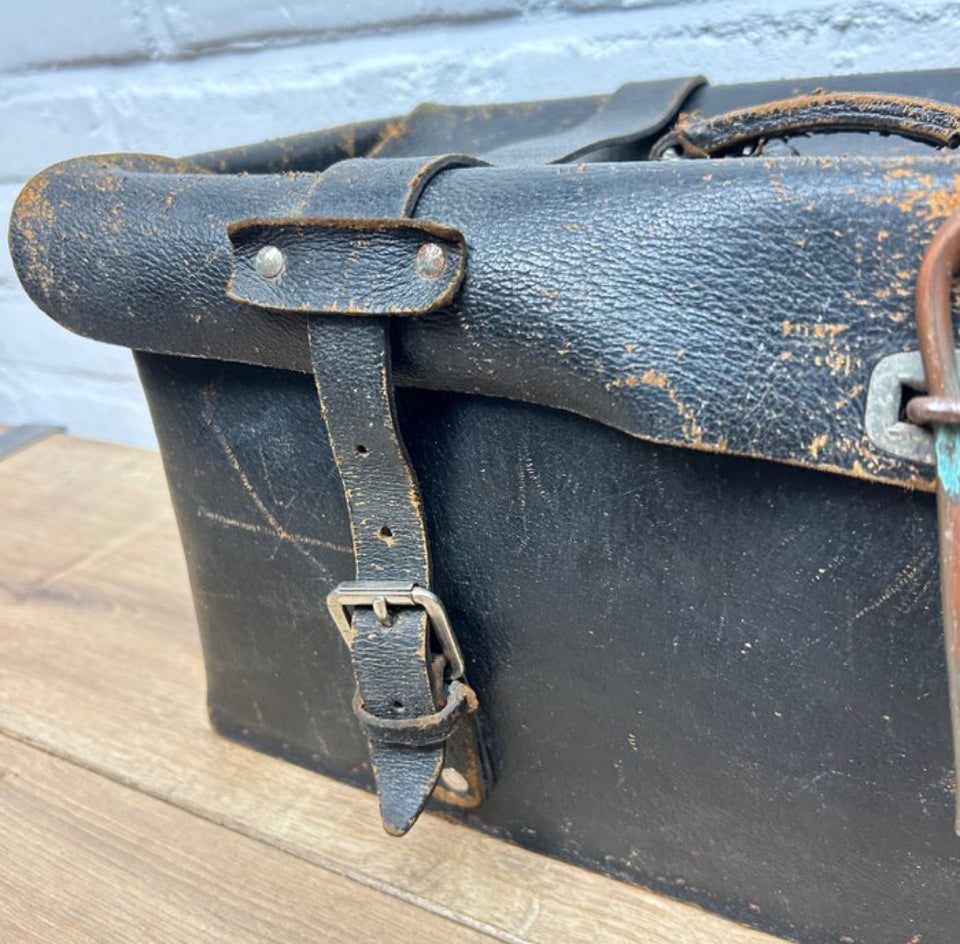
(638, 563)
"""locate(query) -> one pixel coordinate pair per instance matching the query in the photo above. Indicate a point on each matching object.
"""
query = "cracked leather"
(351, 365)
(735, 307)
(621, 126)
(391, 663)
(918, 119)
(597, 127)
(353, 267)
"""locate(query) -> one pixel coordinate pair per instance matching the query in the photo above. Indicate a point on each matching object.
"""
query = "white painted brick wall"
(175, 76)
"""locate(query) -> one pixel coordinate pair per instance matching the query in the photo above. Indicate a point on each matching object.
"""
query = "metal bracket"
(882, 421)
(380, 595)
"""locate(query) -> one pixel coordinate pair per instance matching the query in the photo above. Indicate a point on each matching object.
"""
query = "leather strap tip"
(405, 780)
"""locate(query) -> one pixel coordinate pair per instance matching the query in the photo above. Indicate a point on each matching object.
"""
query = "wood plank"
(83, 859)
(66, 498)
(100, 663)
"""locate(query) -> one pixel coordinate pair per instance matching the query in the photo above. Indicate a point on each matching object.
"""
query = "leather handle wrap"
(920, 119)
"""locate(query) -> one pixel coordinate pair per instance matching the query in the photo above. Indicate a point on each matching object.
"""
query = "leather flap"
(735, 306)
(346, 266)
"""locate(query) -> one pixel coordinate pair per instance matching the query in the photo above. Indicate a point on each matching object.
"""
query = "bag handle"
(821, 112)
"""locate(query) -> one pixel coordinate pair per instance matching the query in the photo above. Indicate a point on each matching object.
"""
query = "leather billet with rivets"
(346, 266)
(576, 477)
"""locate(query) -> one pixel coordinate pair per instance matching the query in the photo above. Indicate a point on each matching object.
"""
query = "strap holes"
(386, 535)
(398, 705)
(361, 450)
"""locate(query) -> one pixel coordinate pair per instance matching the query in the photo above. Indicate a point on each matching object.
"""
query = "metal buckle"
(380, 596)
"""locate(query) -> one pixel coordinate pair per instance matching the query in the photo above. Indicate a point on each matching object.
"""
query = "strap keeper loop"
(424, 730)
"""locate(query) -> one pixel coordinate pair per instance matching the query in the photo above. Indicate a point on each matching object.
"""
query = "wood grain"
(83, 859)
(100, 664)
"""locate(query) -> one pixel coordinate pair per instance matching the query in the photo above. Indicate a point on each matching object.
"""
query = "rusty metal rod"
(941, 409)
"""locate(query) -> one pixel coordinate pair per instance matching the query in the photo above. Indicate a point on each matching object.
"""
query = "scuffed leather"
(356, 267)
(391, 663)
(918, 119)
(745, 655)
(546, 126)
(352, 369)
(720, 678)
(393, 679)
(636, 111)
(738, 307)
(311, 152)
(351, 363)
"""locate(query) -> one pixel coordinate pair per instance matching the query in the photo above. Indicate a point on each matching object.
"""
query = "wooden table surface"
(123, 817)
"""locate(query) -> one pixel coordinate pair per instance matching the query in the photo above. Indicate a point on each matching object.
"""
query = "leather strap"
(406, 707)
(351, 363)
(636, 112)
(920, 119)
(352, 371)
(422, 731)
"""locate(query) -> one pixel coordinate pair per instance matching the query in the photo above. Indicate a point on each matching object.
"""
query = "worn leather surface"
(352, 369)
(312, 151)
(738, 307)
(391, 663)
(939, 85)
(361, 267)
(485, 129)
(351, 366)
(598, 127)
(420, 730)
(746, 657)
(393, 679)
(918, 119)
(635, 112)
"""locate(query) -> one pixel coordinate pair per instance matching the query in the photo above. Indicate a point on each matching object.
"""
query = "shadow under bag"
(567, 466)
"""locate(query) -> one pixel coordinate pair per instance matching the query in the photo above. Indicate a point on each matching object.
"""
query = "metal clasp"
(896, 379)
(380, 596)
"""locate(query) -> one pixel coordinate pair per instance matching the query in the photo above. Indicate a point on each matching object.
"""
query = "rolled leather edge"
(737, 308)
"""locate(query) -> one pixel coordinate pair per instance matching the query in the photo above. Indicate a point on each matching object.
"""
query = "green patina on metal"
(948, 460)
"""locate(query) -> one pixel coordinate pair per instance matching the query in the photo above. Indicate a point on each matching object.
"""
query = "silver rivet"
(269, 262)
(431, 261)
(453, 780)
